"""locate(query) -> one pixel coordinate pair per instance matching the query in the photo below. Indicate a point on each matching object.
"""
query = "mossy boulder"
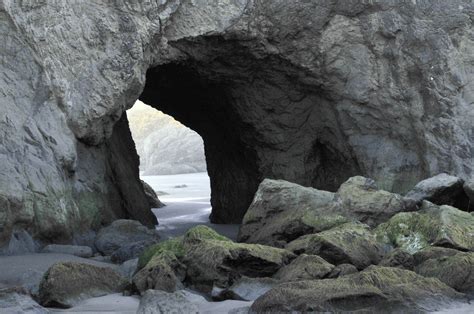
(304, 267)
(173, 245)
(362, 200)
(282, 211)
(163, 271)
(376, 289)
(456, 271)
(432, 252)
(351, 243)
(398, 258)
(434, 225)
(214, 260)
(67, 283)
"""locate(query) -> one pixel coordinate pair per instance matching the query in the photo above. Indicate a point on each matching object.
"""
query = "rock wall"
(308, 91)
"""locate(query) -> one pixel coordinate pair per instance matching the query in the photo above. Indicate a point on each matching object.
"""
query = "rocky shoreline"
(300, 249)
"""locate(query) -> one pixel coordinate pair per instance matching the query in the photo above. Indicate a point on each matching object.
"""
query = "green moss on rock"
(174, 245)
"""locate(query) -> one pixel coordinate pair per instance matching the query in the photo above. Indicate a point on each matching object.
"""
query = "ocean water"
(187, 200)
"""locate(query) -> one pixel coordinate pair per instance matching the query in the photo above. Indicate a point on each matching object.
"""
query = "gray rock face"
(81, 251)
(67, 283)
(308, 91)
(158, 302)
(164, 145)
(121, 233)
(283, 211)
(441, 189)
(304, 267)
(469, 189)
(17, 302)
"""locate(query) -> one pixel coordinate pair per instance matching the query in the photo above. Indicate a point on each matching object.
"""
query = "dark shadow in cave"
(204, 107)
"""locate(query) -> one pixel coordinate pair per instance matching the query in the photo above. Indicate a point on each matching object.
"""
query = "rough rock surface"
(123, 232)
(158, 302)
(13, 301)
(130, 251)
(398, 258)
(361, 199)
(469, 189)
(247, 289)
(444, 226)
(308, 91)
(214, 260)
(376, 289)
(456, 271)
(351, 243)
(65, 284)
(282, 211)
(441, 189)
(342, 270)
(164, 145)
(304, 267)
(432, 252)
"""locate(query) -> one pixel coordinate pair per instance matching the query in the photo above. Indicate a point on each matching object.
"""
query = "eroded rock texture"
(308, 91)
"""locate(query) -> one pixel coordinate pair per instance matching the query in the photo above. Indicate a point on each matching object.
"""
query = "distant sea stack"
(165, 146)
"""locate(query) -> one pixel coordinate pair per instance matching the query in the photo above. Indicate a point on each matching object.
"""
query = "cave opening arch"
(258, 117)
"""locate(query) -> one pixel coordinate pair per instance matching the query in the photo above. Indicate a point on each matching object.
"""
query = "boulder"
(130, 251)
(17, 301)
(159, 302)
(246, 289)
(282, 211)
(376, 289)
(77, 250)
(65, 284)
(122, 232)
(457, 271)
(151, 196)
(128, 268)
(432, 252)
(342, 270)
(441, 189)
(351, 243)
(173, 245)
(163, 272)
(434, 225)
(214, 260)
(304, 267)
(362, 200)
(398, 258)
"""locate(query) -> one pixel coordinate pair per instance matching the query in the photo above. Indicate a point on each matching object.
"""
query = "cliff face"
(308, 91)
(164, 145)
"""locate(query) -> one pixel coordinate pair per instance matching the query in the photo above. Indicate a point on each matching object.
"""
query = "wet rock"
(432, 252)
(128, 268)
(17, 301)
(398, 258)
(77, 250)
(282, 211)
(441, 189)
(362, 200)
(351, 243)
(376, 289)
(151, 196)
(122, 232)
(304, 267)
(66, 284)
(342, 270)
(214, 260)
(20, 242)
(159, 302)
(434, 225)
(130, 251)
(246, 289)
(457, 271)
